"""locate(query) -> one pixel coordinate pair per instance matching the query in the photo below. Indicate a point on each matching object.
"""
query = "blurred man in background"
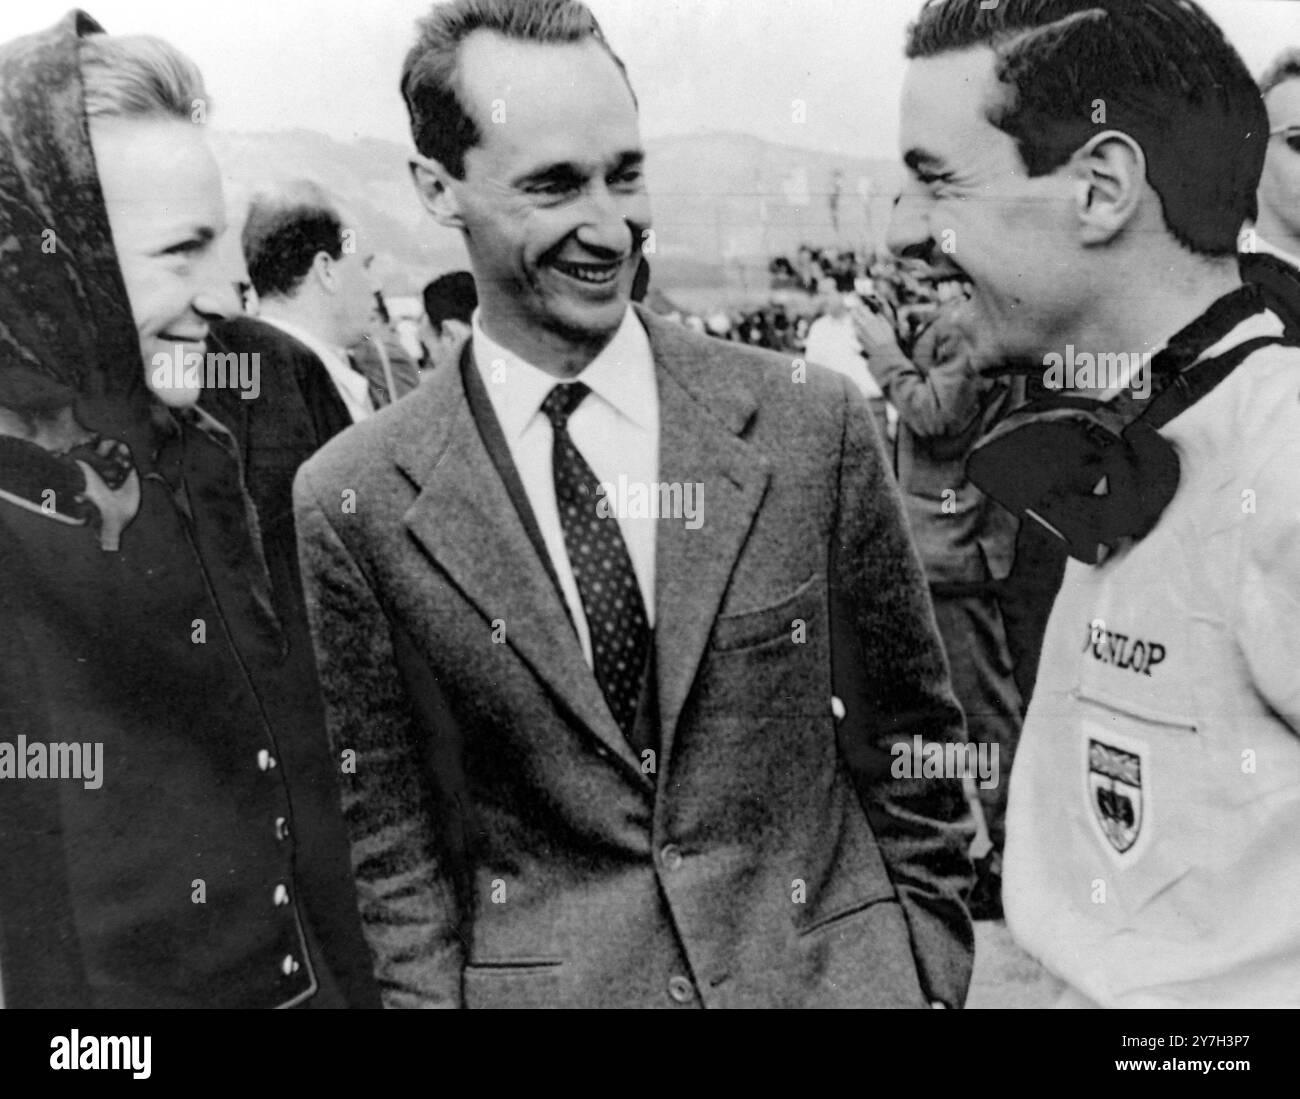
(316, 298)
(449, 304)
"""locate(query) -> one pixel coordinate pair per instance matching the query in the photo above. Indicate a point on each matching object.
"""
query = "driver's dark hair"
(1159, 71)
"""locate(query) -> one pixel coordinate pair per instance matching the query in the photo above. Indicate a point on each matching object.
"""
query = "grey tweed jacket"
(510, 848)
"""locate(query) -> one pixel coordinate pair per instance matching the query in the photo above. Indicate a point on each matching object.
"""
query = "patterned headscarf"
(67, 336)
(66, 330)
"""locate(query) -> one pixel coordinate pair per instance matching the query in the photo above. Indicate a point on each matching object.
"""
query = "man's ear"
(433, 185)
(322, 270)
(1110, 171)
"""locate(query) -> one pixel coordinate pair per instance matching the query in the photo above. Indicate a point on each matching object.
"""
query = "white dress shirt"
(616, 429)
(351, 384)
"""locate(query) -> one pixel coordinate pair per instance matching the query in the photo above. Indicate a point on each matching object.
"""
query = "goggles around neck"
(1098, 473)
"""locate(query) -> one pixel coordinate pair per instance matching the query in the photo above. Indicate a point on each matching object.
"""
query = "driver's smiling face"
(971, 210)
(553, 198)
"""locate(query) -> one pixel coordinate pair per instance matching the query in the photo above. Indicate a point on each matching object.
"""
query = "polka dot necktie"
(611, 597)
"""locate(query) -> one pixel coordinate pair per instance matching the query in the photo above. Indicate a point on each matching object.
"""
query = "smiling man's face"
(553, 200)
(972, 212)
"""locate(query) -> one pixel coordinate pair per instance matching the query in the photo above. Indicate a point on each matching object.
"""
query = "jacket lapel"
(464, 518)
(702, 417)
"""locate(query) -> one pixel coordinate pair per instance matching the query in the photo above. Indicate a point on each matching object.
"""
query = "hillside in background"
(724, 203)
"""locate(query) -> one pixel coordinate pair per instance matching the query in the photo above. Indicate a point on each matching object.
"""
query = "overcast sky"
(697, 65)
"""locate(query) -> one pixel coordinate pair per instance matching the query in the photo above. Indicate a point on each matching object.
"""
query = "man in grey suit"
(574, 600)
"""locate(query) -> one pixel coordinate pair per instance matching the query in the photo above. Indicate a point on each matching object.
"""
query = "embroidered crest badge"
(1115, 793)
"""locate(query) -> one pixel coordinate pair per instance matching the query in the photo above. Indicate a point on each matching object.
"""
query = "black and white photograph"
(598, 504)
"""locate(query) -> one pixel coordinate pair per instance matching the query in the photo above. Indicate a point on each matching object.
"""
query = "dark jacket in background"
(297, 411)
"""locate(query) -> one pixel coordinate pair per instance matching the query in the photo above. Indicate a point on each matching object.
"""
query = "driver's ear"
(433, 183)
(1110, 179)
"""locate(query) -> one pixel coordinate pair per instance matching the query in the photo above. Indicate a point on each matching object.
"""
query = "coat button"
(671, 857)
(265, 761)
(280, 896)
(289, 965)
(282, 828)
(681, 989)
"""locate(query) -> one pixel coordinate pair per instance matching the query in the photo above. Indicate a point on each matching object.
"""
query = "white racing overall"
(1153, 850)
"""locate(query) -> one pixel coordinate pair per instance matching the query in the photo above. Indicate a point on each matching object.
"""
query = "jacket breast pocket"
(529, 984)
(777, 622)
(766, 667)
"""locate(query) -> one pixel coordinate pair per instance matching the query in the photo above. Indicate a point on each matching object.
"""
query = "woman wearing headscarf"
(170, 833)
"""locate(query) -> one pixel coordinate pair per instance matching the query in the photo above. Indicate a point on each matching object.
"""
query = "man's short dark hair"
(450, 297)
(1163, 72)
(287, 228)
(1286, 66)
(441, 123)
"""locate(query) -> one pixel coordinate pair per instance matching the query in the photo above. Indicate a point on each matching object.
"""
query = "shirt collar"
(337, 363)
(622, 376)
(324, 350)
